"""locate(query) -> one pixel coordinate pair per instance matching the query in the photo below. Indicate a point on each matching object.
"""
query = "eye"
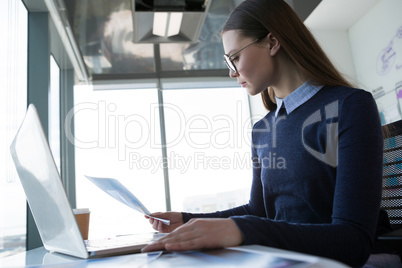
(235, 59)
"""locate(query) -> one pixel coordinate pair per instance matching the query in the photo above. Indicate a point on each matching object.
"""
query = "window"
(54, 111)
(13, 103)
(117, 135)
(208, 142)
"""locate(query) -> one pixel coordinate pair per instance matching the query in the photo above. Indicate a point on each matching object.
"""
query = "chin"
(252, 92)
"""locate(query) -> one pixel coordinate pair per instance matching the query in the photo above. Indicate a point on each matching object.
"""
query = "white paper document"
(119, 192)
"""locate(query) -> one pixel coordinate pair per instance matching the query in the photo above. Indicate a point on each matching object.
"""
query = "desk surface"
(243, 256)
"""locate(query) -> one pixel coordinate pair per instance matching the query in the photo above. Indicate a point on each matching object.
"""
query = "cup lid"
(81, 210)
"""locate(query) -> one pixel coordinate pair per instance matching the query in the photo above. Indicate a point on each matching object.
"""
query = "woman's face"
(255, 65)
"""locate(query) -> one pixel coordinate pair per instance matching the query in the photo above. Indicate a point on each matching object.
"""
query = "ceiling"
(103, 32)
(338, 14)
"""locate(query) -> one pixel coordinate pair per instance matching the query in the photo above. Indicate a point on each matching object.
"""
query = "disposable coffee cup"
(82, 218)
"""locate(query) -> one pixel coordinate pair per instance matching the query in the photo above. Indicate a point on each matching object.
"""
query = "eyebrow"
(230, 52)
(233, 52)
(241, 49)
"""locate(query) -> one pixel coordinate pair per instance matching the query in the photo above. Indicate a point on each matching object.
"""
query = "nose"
(232, 74)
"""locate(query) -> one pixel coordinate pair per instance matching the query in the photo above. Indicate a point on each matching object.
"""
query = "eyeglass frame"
(228, 61)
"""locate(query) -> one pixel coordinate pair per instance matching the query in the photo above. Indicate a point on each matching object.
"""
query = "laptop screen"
(43, 188)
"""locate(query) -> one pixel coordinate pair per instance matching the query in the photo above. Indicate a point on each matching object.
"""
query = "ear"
(273, 44)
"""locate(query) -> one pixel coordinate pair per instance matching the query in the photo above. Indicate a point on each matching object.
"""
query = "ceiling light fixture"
(167, 24)
(173, 21)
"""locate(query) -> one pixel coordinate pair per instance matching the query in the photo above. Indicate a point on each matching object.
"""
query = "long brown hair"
(256, 18)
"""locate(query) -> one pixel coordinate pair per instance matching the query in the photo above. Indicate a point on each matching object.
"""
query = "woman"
(324, 198)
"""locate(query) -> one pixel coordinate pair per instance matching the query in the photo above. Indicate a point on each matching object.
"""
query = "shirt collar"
(297, 97)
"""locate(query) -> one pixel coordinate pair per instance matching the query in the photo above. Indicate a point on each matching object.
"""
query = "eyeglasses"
(229, 62)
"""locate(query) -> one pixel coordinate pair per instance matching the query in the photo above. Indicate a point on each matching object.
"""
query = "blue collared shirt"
(297, 97)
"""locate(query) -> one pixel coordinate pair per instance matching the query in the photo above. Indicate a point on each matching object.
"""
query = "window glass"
(117, 135)
(13, 104)
(208, 142)
(54, 111)
(192, 56)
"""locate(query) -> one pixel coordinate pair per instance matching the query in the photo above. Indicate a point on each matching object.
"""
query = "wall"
(364, 40)
(336, 45)
(376, 44)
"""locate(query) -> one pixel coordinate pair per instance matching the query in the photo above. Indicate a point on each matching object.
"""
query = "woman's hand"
(200, 234)
(176, 220)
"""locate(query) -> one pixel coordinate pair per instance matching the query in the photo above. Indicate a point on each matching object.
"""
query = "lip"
(243, 84)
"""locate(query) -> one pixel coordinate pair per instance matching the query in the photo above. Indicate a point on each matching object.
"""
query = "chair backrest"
(392, 175)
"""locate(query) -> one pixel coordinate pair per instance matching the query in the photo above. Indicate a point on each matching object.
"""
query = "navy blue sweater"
(317, 178)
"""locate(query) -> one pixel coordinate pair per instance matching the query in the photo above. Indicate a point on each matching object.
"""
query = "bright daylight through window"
(111, 129)
(117, 135)
(13, 103)
(208, 142)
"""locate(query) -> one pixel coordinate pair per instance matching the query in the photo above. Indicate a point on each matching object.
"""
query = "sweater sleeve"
(350, 236)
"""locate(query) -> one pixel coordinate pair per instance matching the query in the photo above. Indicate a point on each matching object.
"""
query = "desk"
(215, 258)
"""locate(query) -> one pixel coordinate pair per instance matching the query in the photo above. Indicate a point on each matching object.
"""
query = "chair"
(392, 185)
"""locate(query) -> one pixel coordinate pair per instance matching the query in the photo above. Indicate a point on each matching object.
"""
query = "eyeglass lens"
(229, 63)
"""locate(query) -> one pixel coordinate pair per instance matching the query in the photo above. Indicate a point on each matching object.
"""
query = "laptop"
(48, 201)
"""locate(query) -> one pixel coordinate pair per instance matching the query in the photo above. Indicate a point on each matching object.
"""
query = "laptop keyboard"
(121, 241)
